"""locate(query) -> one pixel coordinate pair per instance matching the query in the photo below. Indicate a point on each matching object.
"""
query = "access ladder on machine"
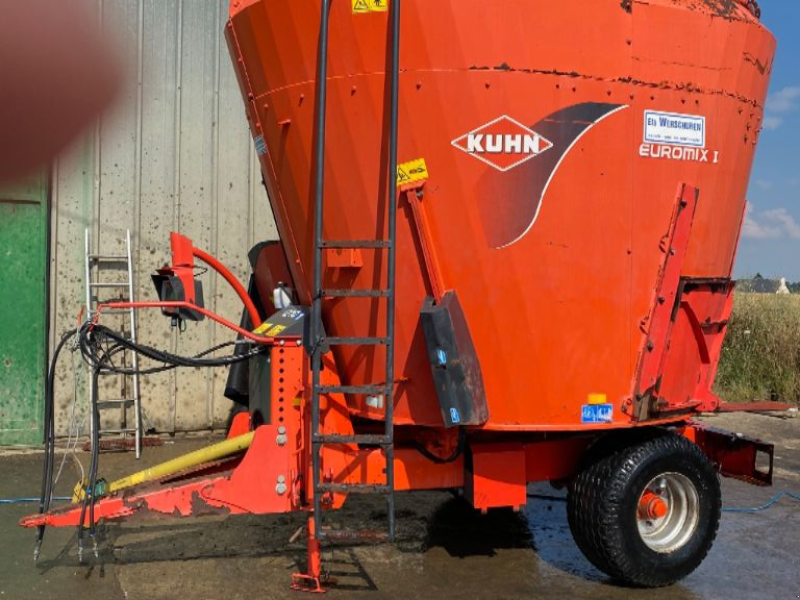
(98, 265)
(319, 341)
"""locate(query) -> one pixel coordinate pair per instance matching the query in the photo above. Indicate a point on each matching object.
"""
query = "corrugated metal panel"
(174, 154)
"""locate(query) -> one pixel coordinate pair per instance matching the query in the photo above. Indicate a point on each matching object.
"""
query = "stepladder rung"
(118, 311)
(355, 244)
(364, 439)
(109, 257)
(105, 284)
(123, 333)
(354, 488)
(354, 293)
(116, 430)
(115, 402)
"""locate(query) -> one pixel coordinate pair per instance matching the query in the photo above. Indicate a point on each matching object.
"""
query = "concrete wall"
(174, 154)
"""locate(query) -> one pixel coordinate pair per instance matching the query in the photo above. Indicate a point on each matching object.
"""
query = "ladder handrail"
(316, 306)
(137, 401)
(391, 260)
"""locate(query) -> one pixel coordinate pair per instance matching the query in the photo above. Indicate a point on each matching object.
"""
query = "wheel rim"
(668, 512)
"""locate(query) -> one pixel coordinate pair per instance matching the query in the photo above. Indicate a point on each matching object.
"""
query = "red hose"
(212, 262)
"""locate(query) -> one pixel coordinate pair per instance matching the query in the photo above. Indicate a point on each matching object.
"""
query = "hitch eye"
(763, 463)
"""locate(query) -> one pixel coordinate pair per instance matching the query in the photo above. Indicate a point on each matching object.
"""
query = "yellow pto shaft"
(181, 463)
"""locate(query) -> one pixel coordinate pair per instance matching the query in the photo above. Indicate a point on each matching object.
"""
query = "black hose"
(98, 345)
(49, 437)
(462, 440)
(89, 493)
(91, 344)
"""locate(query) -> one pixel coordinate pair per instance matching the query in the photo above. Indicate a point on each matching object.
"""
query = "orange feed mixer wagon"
(507, 233)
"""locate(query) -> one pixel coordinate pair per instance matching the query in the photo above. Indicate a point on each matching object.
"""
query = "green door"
(23, 310)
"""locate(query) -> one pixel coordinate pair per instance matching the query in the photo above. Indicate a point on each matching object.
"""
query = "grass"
(761, 356)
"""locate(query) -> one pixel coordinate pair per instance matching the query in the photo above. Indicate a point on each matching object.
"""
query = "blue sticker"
(597, 413)
(441, 357)
(261, 145)
(454, 416)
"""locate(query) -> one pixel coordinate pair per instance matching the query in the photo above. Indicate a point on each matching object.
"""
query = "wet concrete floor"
(446, 550)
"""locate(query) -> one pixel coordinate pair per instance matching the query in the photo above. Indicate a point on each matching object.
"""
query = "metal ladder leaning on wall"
(318, 340)
(97, 265)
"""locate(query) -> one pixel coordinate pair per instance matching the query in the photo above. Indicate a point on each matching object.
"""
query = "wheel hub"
(668, 512)
(651, 507)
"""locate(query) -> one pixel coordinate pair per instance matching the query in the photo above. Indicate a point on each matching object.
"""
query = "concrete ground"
(446, 550)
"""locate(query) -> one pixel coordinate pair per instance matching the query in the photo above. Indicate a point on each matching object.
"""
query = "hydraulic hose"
(49, 439)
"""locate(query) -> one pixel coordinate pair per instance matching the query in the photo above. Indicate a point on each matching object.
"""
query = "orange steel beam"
(413, 195)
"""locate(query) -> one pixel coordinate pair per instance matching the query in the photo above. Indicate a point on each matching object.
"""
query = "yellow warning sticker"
(361, 7)
(262, 329)
(269, 329)
(276, 330)
(412, 172)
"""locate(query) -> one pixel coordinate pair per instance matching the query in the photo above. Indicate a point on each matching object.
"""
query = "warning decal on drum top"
(361, 7)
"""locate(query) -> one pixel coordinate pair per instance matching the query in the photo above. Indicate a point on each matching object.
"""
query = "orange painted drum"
(557, 136)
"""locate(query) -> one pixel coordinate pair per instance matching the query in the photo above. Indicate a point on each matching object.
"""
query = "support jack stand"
(311, 581)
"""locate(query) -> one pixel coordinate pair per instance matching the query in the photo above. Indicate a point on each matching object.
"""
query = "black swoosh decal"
(510, 202)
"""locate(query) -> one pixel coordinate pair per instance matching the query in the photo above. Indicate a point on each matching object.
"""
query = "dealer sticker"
(674, 129)
(674, 136)
(597, 413)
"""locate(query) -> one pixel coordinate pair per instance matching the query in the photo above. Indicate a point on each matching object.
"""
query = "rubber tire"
(602, 505)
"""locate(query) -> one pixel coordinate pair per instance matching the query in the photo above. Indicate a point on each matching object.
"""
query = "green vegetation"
(761, 356)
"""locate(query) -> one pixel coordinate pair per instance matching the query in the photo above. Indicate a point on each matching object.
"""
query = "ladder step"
(128, 430)
(109, 285)
(108, 257)
(355, 293)
(365, 439)
(114, 402)
(362, 535)
(354, 488)
(117, 311)
(352, 389)
(357, 341)
(344, 244)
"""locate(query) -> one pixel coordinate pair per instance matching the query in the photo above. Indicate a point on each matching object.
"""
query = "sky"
(771, 235)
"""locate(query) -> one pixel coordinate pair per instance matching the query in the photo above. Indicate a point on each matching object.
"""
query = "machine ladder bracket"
(373, 536)
(356, 341)
(351, 389)
(354, 488)
(360, 439)
(360, 293)
(355, 244)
